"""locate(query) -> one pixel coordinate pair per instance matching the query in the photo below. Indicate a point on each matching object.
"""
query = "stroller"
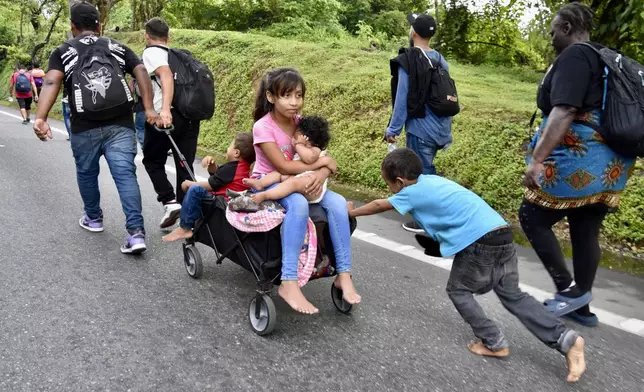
(259, 253)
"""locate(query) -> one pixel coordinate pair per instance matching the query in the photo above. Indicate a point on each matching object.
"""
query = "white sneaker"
(172, 212)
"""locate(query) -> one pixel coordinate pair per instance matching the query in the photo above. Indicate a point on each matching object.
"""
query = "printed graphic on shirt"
(287, 154)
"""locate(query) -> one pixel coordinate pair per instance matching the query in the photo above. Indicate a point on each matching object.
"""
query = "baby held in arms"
(309, 143)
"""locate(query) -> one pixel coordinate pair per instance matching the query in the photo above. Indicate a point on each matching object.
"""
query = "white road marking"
(631, 325)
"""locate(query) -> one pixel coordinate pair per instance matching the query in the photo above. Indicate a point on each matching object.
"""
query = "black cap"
(423, 24)
(83, 14)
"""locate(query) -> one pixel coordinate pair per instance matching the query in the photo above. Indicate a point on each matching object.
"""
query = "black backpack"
(623, 103)
(99, 90)
(443, 98)
(194, 85)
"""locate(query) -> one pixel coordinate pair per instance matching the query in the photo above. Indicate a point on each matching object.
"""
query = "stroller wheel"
(192, 261)
(262, 314)
(339, 302)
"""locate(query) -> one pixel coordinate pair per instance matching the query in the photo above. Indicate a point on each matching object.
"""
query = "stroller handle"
(169, 129)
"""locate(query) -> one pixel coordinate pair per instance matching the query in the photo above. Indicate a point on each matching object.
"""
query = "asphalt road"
(77, 315)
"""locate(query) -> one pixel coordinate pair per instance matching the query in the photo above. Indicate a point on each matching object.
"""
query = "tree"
(144, 10)
(39, 46)
(620, 23)
(104, 7)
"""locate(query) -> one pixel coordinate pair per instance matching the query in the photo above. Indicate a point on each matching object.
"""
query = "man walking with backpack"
(23, 84)
(423, 96)
(92, 70)
(183, 96)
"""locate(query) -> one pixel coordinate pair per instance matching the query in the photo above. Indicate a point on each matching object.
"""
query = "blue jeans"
(139, 124)
(67, 119)
(118, 146)
(294, 230)
(191, 206)
(425, 150)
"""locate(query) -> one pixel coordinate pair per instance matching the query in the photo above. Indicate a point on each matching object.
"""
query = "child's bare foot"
(253, 183)
(343, 282)
(479, 348)
(177, 234)
(291, 293)
(576, 361)
(258, 197)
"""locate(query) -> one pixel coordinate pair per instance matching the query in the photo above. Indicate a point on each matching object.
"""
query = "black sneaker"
(25, 122)
(413, 227)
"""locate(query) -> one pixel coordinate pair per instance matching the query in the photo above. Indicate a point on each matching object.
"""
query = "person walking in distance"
(157, 144)
(92, 70)
(39, 77)
(426, 130)
(23, 84)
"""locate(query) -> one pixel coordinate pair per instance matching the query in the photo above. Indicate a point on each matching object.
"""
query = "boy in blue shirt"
(462, 225)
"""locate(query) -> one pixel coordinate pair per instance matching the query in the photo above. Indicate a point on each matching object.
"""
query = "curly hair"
(579, 15)
(316, 128)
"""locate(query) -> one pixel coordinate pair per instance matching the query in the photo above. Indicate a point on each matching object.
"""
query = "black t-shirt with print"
(64, 58)
(575, 79)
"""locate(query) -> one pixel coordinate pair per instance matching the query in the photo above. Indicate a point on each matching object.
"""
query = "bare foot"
(291, 293)
(253, 183)
(576, 361)
(479, 348)
(343, 282)
(258, 197)
(177, 234)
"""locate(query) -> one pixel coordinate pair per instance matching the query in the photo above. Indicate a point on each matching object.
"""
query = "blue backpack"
(23, 84)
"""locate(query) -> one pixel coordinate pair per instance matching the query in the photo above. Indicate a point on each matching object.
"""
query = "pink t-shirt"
(266, 130)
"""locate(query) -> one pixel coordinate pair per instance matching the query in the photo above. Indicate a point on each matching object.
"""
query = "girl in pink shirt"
(279, 100)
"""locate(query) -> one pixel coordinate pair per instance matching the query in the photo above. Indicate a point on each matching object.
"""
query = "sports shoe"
(25, 122)
(134, 242)
(413, 227)
(93, 225)
(172, 212)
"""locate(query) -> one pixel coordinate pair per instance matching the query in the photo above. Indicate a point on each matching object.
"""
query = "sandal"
(561, 306)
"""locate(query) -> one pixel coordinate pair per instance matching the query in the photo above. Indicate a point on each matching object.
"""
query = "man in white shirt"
(156, 144)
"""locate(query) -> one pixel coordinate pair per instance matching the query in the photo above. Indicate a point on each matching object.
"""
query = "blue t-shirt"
(451, 214)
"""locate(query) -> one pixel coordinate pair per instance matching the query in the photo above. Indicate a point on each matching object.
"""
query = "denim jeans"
(67, 119)
(480, 268)
(118, 146)
(425, 150)
(294, 230)
(191, 206)
(139, 124)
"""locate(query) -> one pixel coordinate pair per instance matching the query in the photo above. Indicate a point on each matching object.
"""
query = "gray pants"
(480, 268)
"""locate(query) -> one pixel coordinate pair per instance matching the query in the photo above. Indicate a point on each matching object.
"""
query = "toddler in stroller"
(229, 176)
